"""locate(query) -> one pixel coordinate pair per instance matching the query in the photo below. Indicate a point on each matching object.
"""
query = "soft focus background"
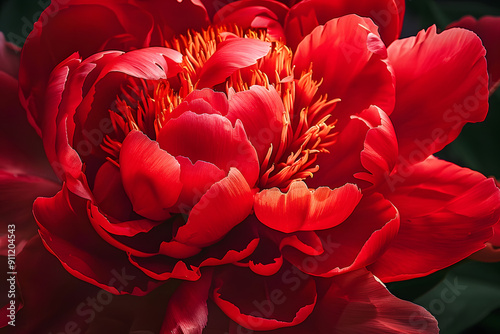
(466, 297)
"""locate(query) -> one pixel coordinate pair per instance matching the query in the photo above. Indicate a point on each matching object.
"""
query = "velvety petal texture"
(427, 64)
(488, 29)
(306, 15)
(447, 213)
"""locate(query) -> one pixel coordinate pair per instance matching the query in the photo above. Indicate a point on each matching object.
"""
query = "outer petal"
(306, 15)
(262, 113)
(355, 70)
(488, 29)
(257, 14)
(211, 138)
(356, 243)
(226, 204)
(68, 234)
(365, 152)
(151, 176)
(426, 66)
(446, 215)
(358, 303)
(231, 55)
(17, 193)
(301, 209)
(264, 303)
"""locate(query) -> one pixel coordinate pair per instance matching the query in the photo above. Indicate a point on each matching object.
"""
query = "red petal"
(226, 204)
(64, 29)
(9, 57)
(187, 310)
(306, 15)
(488, 29)
(231, 55)
(151, 176)
(375, 222)
(17, 193)
(301, 209)
(205, 101)
(426, 66)
(446, 215)
(350, 58)
(109, 193)
(365, 150)
(262, 113)
(67, 233)
(211, 138)
(358, 303)
(196, 179)
(264, 303)
(257, 14)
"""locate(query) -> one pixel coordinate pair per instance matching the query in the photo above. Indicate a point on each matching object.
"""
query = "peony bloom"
(276, 160)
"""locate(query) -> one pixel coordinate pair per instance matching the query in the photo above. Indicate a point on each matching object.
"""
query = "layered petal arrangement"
(275, 159)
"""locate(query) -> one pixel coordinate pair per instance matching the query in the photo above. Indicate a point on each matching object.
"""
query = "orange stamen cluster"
(307, 127)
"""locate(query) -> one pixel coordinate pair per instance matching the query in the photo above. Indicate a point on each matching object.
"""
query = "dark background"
(465, 298)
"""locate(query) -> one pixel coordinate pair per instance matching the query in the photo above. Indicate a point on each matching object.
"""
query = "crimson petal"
(428, 64)
(151, 176)
(67, 233)
(356, 69)
(447, 213)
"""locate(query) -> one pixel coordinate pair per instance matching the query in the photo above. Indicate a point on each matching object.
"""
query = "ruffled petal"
(307, 15)
(68, 234)
(150, 175)
(358, 303)
(264, 303)
(356, 69)
(364, 153)
(301, 209)
(447, 213)
(488, 29)
(433, 99)
(256, 14)
(357, 242)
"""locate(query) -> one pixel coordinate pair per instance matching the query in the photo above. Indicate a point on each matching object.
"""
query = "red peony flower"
(276, 160)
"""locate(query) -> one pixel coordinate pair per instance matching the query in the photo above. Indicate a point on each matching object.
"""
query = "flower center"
(307, 128)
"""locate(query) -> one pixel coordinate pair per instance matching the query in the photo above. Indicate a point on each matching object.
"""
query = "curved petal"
(307, 15)
(262, 113)
(187, 310)
(356, 69)
(488, 29)
(87, 28)
(264, 303)
(301, 209)
(426, 65)
(150, 176)
(231, 55)
(9, 57)
(226, 204)
(356, 243)
(447, 213)
(358, 303)
(68, 234)
(372, 135)
(17, 193)
(211, 138)
(256, 14)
